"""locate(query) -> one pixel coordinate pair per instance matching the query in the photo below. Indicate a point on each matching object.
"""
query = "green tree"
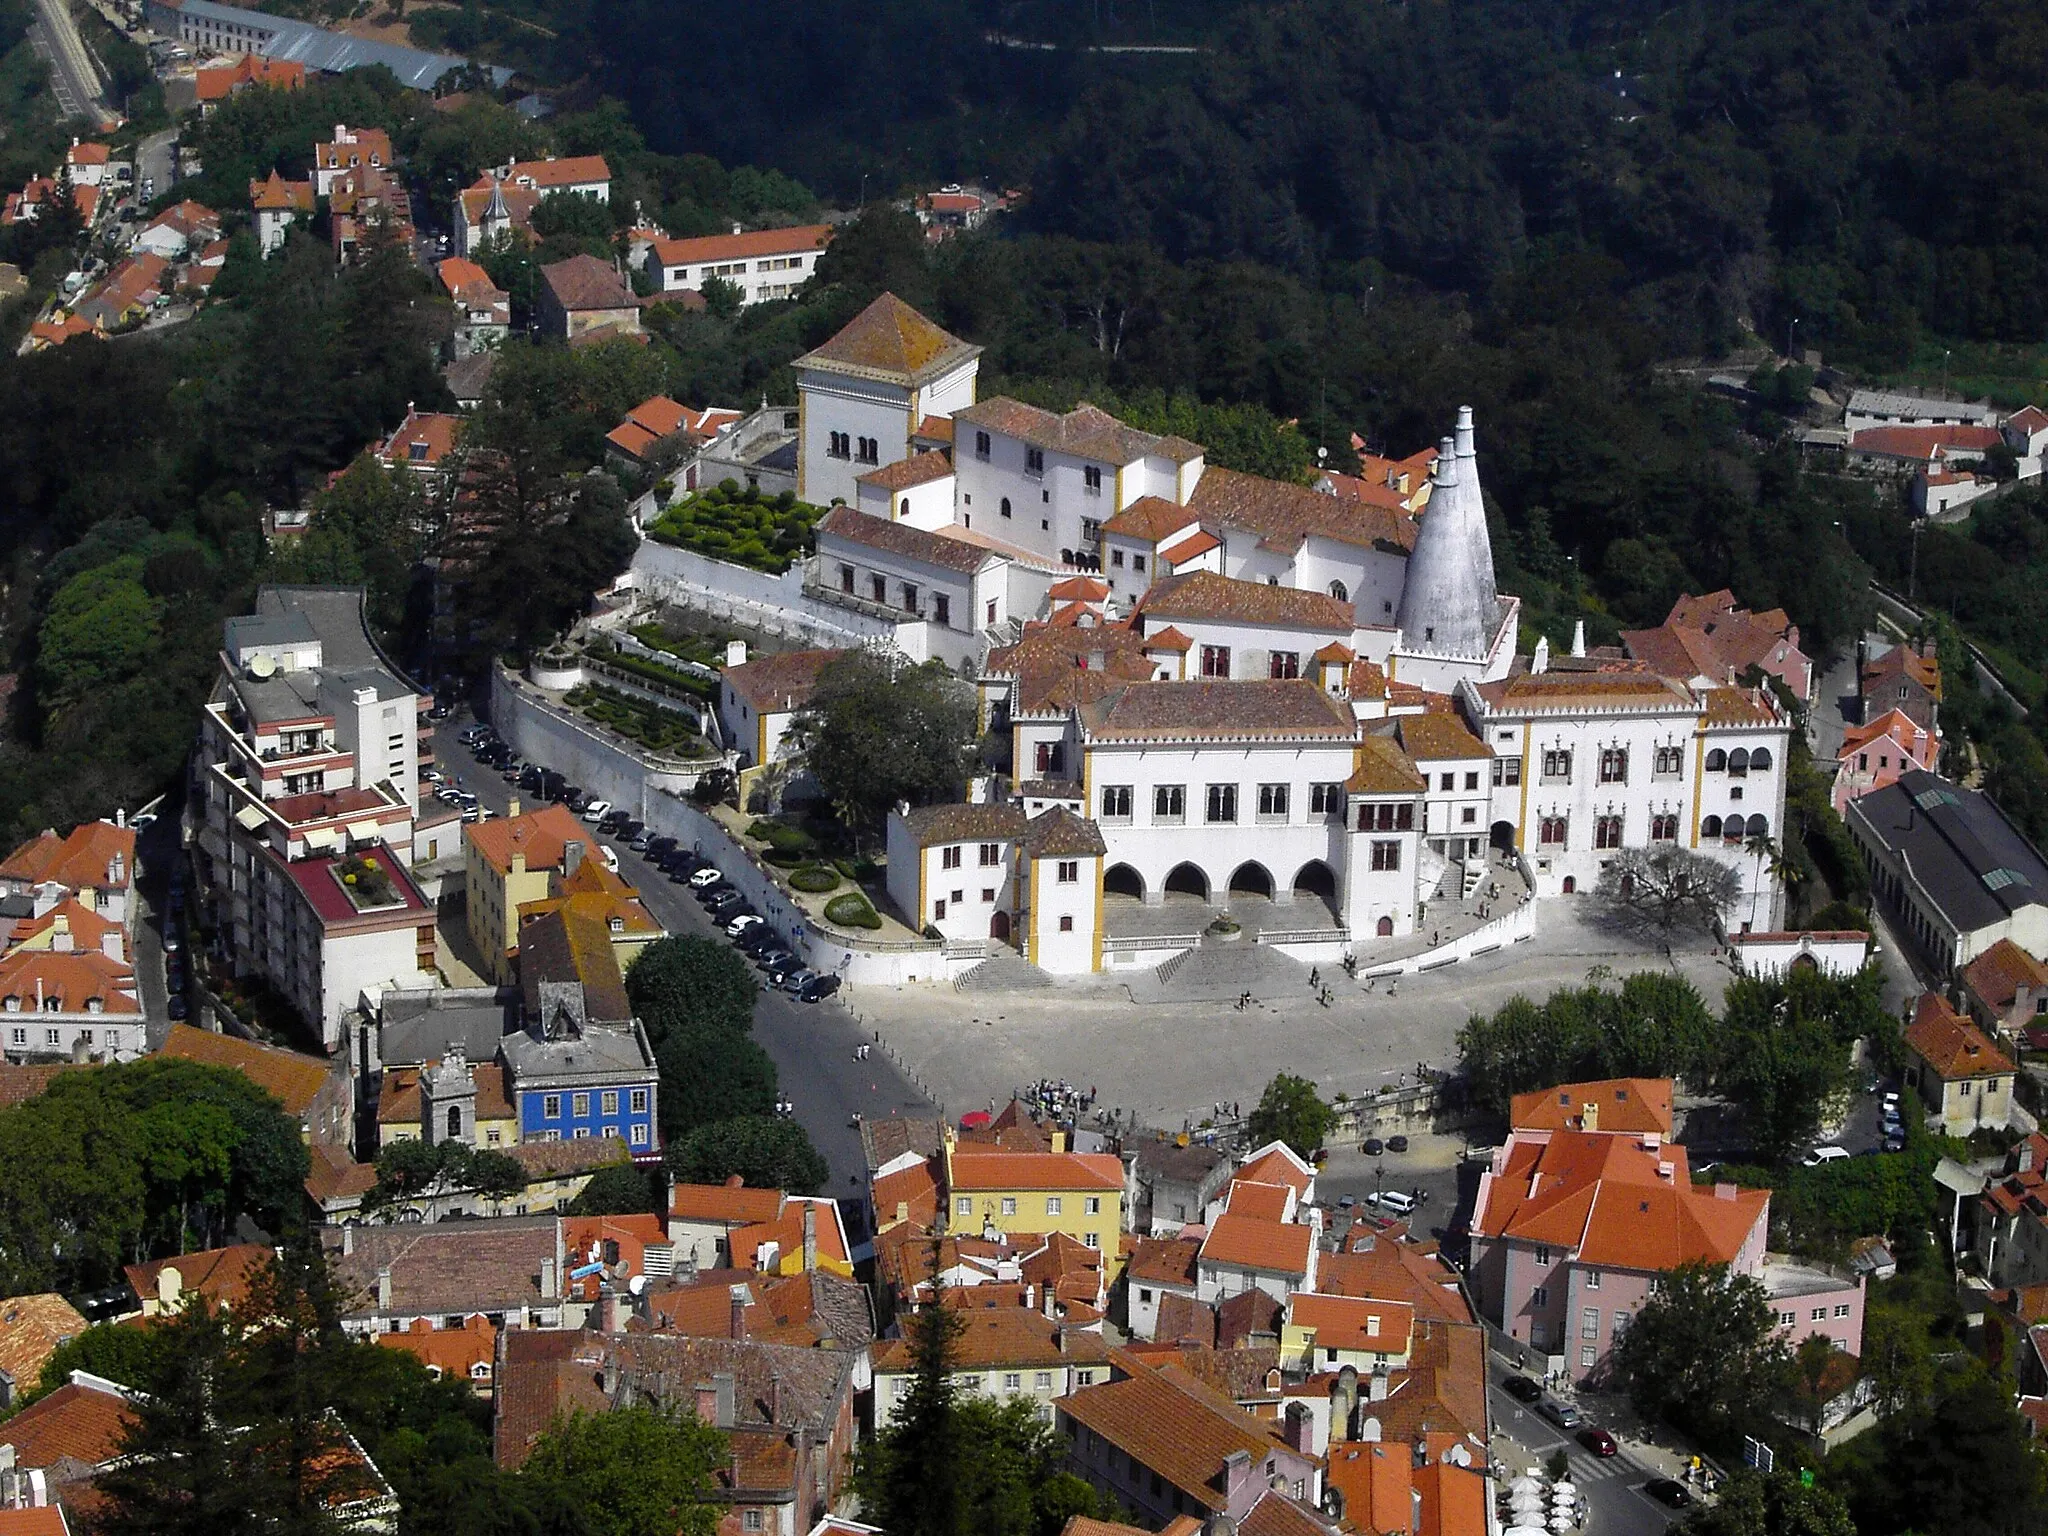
(1017, 1481)
(1291, 1110)
(914, 1473)
(767, 1152)
(708, 1075)
(1785, 1053)
(179, 1476)
(882, 251)
(621, 1190)
(101, 629)
(1703, 1354)
(1666, 887)
(683, 981)
(878, 730)
(632, 1471)
(1755, 1504)
(722, 298)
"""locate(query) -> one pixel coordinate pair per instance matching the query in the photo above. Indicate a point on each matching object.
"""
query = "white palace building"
(1227, 693)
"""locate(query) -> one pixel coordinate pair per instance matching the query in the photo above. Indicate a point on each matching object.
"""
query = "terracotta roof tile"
(746, 244)
(467, 1353)
(907, 474)
(1384, 769)
(1204, 595)
(1006, 1336)
(1150, 518)
(84, 858)
(1247, 1242)
(584, 282)
(1997, 975)
(978, 1168)
(20, 1084)
(1395, 1270)
(1434, 738)
(1352, 1322)
(730, 1202)
(1282, 515)
(890, 340)
(221, 1275)
(1622, 1104)
(1249, 1318)
(905, 542)
(70, 979)
(31, 1328)
(1086, 432)
(555, 173)
(1172, 1425)
(540, 836)
(293, 1080)
(1276, 1163)
(1219, 711)
(1164, 1260)
(1264, 1202)
(82, 1424)
(1060, 833)
(1950, 1044)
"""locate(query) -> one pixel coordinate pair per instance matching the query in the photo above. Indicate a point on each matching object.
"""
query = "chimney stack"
(512, 806)
(1376, 1389)
(348, 1239)
(611, 1310)
(775, 1398)
(572, 856)
(707, 1403)
(1300, 1429)
(548, 1290)
(724, 1385)
(740, 1297)
(810, 1237)
(384, 1289)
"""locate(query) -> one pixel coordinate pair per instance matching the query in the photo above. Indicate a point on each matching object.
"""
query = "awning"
(250, 817)
(364, 831)
(322, 837)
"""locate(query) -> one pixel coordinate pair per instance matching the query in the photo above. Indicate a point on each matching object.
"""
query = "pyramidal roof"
(890, 340)
(1448, 602)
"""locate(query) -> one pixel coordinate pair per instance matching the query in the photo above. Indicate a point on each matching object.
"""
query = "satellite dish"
(637, 1285)
(261, 666)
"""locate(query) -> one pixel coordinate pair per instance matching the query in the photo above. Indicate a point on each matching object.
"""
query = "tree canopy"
(1291, 1110)
(878, 730)
(766, 1151)
(1703, 1354)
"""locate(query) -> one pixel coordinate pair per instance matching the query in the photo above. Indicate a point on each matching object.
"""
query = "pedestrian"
(1315, 977)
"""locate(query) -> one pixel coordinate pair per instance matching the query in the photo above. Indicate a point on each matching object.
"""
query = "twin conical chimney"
(1448, 603)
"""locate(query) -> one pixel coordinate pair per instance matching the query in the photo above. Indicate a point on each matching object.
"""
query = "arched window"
(1716, 760)
(1738, 763)
(1759, 826)
(1385, 927)
(1338, 592)
(1710, 827)
(454, 1122)
(1760, 760)
(1006, 506)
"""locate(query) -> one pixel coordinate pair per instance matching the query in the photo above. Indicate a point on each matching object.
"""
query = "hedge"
(728, 523)
(654, 672)
(815, 878)
(851, 911)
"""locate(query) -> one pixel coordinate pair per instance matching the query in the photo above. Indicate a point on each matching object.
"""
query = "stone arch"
(1716, 760)
(1006, 506)
(1738, 762)
(1123, 880)
(1187, 880)
(1340, 592)
(1759, 826)
(455, 1122)
(1502, 836)
(1710, 826)
(1251, 878)
(1759, 759)
(1571, 885)
(1315, 878)
(999, 927)
(1384, 928)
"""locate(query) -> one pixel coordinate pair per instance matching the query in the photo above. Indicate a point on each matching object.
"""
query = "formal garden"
(728, 522)
(641, 721)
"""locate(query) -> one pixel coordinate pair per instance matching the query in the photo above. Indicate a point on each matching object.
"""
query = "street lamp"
(1792, 340)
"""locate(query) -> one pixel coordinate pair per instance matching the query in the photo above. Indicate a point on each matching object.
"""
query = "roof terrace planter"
(367, 884)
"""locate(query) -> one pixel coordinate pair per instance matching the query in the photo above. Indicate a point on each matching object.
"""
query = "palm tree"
(1760, 847)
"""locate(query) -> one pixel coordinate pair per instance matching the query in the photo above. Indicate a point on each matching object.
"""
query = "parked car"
(177, 1009)
(1396, 1202)
(781, 970)
(611, 860)
(638, 841)
(1563, 1415)
(817, 989)
(1521, 1389)
(1598, 1441)
(1669, 1492)
(1397, 1143)
(595, 810)
(797, 979)
(771, 957)
(740, 924)
(173, 940)
(470, 735)
(660, 847)
(1821, 1155)
(1372, 1146)
(727, 903)
(708, 875)
(633, 828)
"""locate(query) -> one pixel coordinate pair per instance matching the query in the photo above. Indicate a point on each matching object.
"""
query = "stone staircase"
(1004, 971)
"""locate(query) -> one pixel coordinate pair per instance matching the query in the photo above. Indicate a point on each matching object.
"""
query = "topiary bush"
(851, 911)
(815, 878)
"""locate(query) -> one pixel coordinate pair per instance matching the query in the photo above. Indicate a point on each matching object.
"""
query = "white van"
(1821, 1155)
(1395, 1202)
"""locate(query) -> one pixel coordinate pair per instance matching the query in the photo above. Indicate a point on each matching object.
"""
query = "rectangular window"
(582, 1133)
(942, 610)
(1091, 1205)
(1009, 1205)
(1540, 1296)
(1820, 1314)
(1034, 461)
(1272, 802)
(1551, 831)
(1052, 1205)
(988, 895)
(1137, 562)
(1222, 803)
(1091, 479)
(1507, 772)
(1012, 1380)
(1618, 1327)
(1116, 559)
(949, 858)
(1215, 661)
(1607, 832)
(1446, 782)
(1386, 856)
(1787, 1319)
(1069, 871)
(909, 598)
(991, 855)
(1669, 762)
(751, 1520)
(938, 911)
(640, 1134)
(1116, 802)
(1592, 1279)
(1284, 664)
(1066, 925)
(870, 451)
(1091, 530)
(1589, 1356)
(964, 1206)
(1170, 803)
(981, 445)
(493, 1138)
(1469, 816)
(1472, 780)
(580, 1104)
(1042, 1381)
(1589, 1323)
(1092, 1239)
(846, 578)
(1325, 799)
(610, 1101)
(1542, 1254)
(880, 588)
(17, 1037)
(551, 1107)
(1614, 765)
(1842, 1309)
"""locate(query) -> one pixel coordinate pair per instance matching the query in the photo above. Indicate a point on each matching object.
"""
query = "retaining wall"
(773, 605)
(1512, 927)
(602, 764)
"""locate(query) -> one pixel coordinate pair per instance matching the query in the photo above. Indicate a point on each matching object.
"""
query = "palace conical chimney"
(1448, 602)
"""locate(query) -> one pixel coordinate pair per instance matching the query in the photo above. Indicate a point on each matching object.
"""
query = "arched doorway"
(1251, 878)
(1502, 837)
(1122, 880)
(1385, 928)
(1571, 885)
(1315, 878)
(1187, 880)
(1803, 963)
(999, 927)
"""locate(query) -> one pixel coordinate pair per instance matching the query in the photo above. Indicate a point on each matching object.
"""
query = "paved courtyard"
(1169, 1050)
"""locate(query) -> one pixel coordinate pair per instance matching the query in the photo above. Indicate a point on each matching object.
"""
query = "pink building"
(1810, 1299)
(1874, 755)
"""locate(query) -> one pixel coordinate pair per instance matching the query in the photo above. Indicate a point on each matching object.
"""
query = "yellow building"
(595, 895)
(1078, 1193)
(1327, 1333)
(510, 863)
(487, 1122)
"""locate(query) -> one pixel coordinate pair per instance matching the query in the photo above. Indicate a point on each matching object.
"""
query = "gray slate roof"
(335, 52)
(1976, 866)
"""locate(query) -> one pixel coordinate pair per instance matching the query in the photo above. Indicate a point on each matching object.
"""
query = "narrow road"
(73, 75)
(1612, 1485)
(811, 1044)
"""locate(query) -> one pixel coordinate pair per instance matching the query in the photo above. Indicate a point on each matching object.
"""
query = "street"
(1612, 1485)
(810, 1043)
(74, 78)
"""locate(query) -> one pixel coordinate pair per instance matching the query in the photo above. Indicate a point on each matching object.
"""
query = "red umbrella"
(975, 1119)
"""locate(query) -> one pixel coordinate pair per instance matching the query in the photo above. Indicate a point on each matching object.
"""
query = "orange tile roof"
(88, 930)
(363, 146)
(1950, 1044)
(454, 1351)
(1205, 595)
(914, 1189)
(1261, 1202)
(1246, 1242)
(1439, 738)
(786, 1232)
(434, 431)
(1150, 518)
(1282, 515)
(1164, 1261)
(1629, 1105)
(1004, 1336)
(553, 174)
(1903, 661)
(974, 1167)
(293, 1080)
(82, 859)
(20, 1084)
(781, 681)
(1453, 1499)
(1997, 975)
(748, 243)
(83, 1424)
(1353, 1323)
(36, 1520)
(71, 979)
(1195, 545)
(1171, 1424)
(541, 836)
(459, 272)
(31, 1328)
(222, 1275)
(1377, 1482)
(1384, 769)
(1395, 1270)
(1219, 710)
(1276, 1163)
(277, 193)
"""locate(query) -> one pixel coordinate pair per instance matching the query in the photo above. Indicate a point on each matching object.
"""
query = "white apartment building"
(764, 264)
(308, 764)
(865, 394)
